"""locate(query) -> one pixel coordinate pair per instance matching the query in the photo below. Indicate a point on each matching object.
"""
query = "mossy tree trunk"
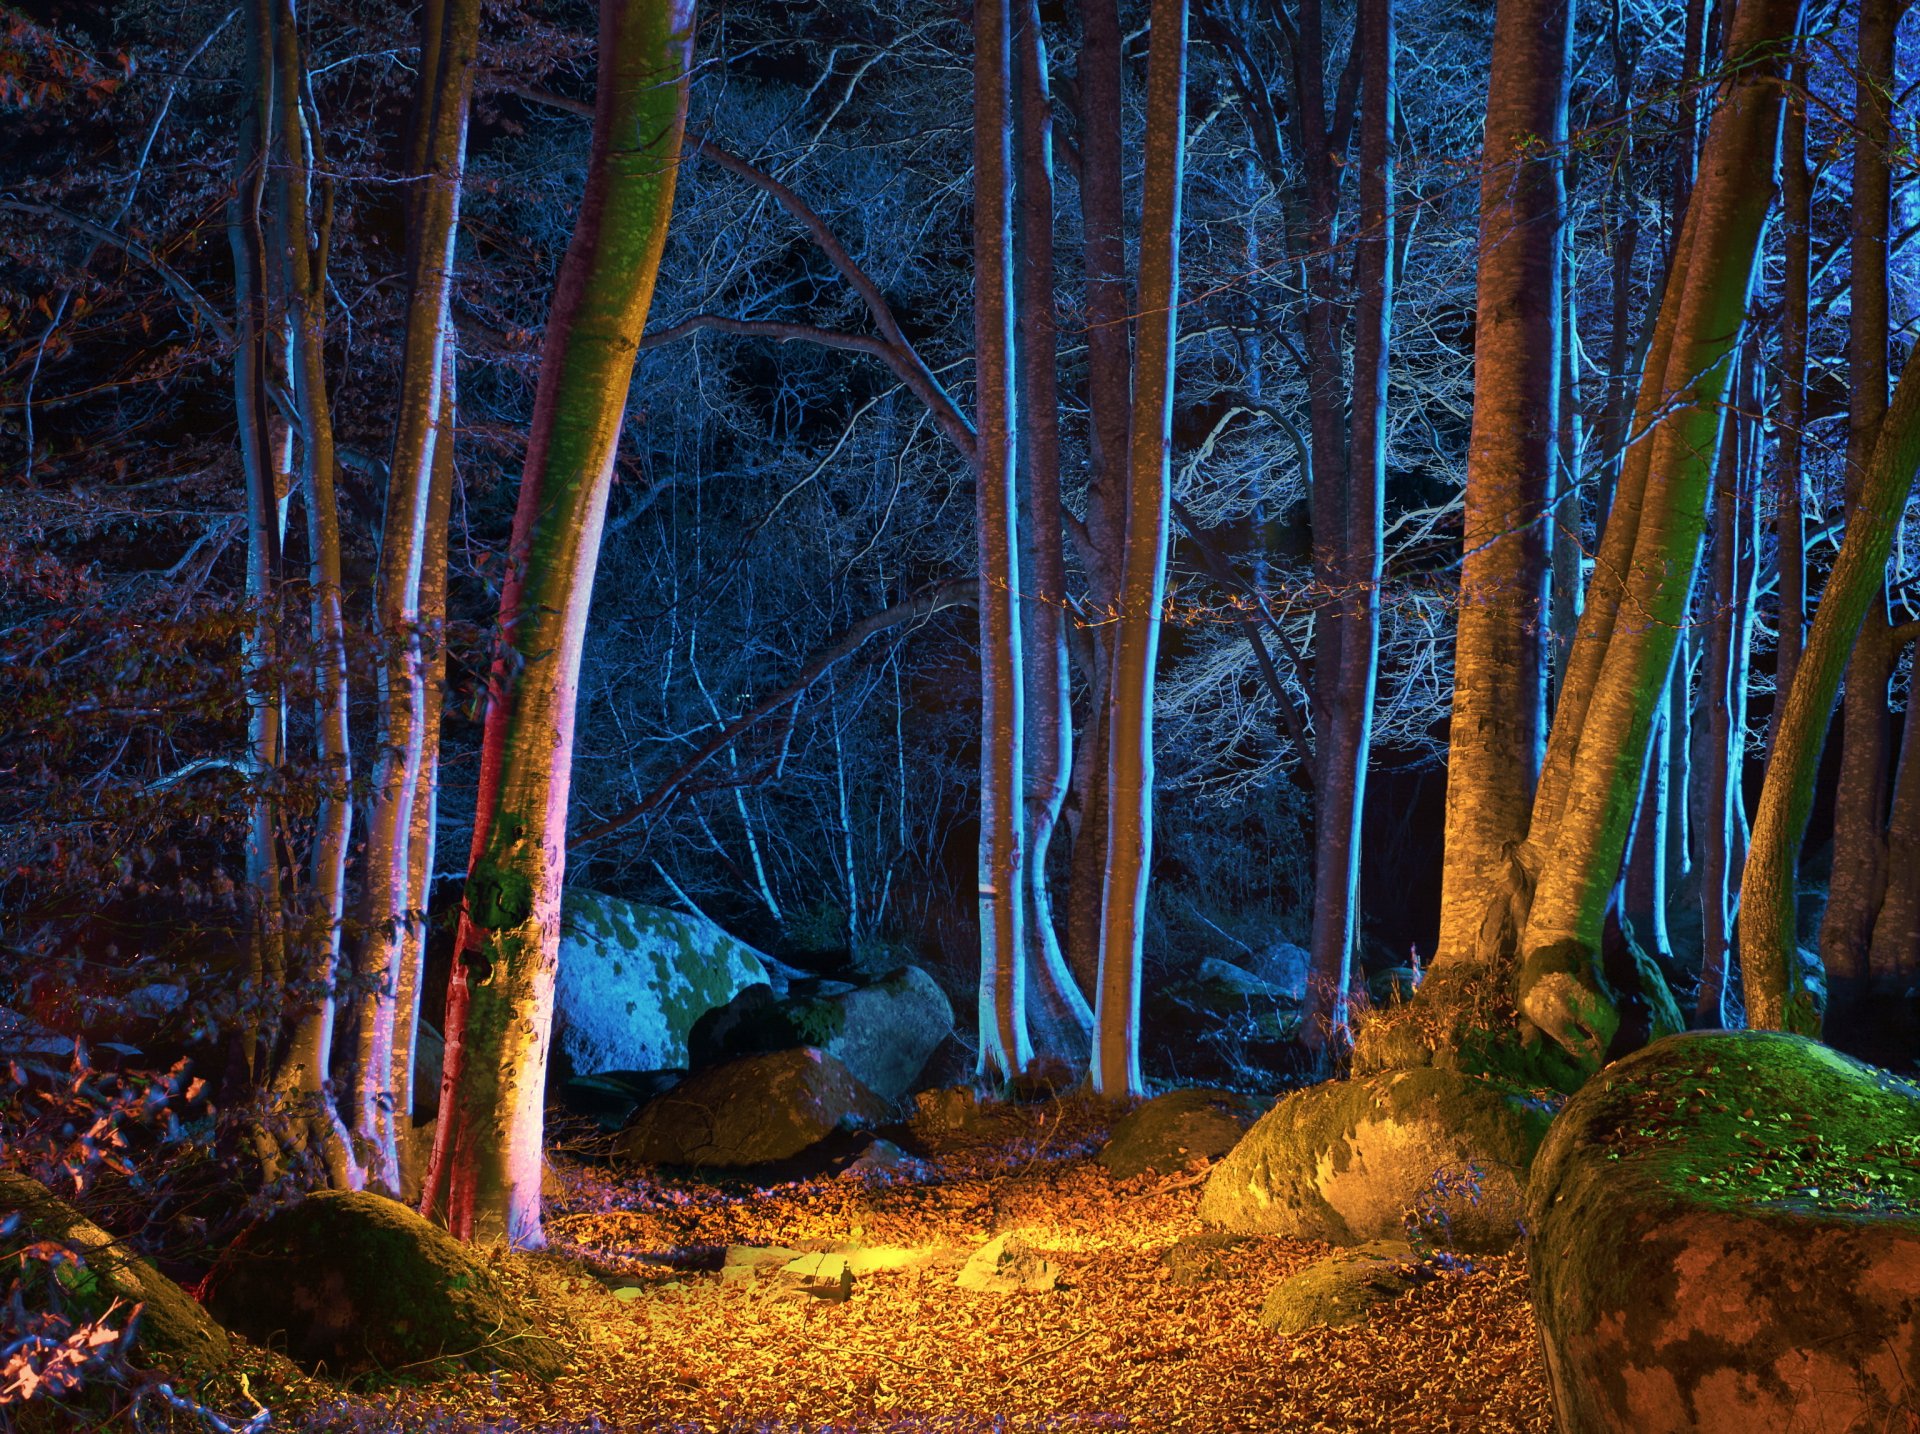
(485, 1170)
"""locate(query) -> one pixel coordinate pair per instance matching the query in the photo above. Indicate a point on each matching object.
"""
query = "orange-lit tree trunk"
(1493, 743)
(1578, 836)
(449, 39)
(1859, 809)
(1060, 1020)
(1004, 1046)
(485, 1170)
(1143, 571)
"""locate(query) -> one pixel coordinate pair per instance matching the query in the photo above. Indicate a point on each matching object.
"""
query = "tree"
(485, 1170)
(1143, 570)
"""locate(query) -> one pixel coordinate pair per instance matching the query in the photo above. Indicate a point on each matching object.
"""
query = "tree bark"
(485, 1171)
(436, 152)
(1059, 1017)
(1561, 988)
(1143, 573)
(1796, 197)
(1493, 745)
(1859, 810)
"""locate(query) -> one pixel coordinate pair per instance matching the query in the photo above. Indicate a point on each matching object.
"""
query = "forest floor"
(661, 1338)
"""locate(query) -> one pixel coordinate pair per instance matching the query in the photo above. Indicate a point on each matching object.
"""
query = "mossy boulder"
(752, 1111)
(1726, 1236)
(354, 1283)
(883, 1032)
(1345, 1288)
(1366, 1159)
(1171, 1131)
(634, 979)
(173, 1332)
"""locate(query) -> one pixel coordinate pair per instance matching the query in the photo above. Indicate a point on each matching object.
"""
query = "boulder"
(1282, 965)
(1171, 1131)
(1726, 1237)
(1230, 979)
(355, 1283)
(749, 1112)
(172, 1331)
(634, 979)
(1007, 1265)
(1372, 1158)
(882, 1032)
(1345, 1288)
(1393, 986)
(954, 1110)
(822, 1276)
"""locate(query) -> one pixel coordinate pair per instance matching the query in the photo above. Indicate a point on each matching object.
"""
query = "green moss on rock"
(1351, 1161)
(354, 1283)
(1725, 1235)
(1345, 1288)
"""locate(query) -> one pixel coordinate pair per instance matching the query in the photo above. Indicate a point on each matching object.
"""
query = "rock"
(634, 979)
(952, 1111)
(611, 1097)
(883, 1161)
(821, 1277)
(1195, 1259)
(1726, 1236)
(1345, 1288)
(1351, 1161)
(1172, 1131)
(743, 1264)
(1235, 980)
(173, 1331)
(883, 1032)
(1392, 987)
(358, 1283)
(1283, 966)
(749, 1112)
(1007, 1265)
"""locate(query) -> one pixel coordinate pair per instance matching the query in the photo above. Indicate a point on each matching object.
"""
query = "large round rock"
(751, 1111)
(633, 980)
(1725, 1238)
(357, 1283)
(172, 1331)
(1171, 1131)
(1357, 1160)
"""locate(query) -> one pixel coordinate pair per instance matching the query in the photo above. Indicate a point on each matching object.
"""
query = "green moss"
(1344, 1288)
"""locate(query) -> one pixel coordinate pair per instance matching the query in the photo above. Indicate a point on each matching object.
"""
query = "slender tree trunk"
(485, 1171)
(1796, 193)
(1004, 1045)
(252, 324)
(1644, 898)
(1777, 997)
(1347, 735)
(1493, 748)
(424, 814)
(1894, 959)
(1718, 770)
(1059, 1014)
(1143, 573)
(1109, 309)
(1561, 990)
(449, 40)
(1566, 540)
(1859, 845)
(304, 1077)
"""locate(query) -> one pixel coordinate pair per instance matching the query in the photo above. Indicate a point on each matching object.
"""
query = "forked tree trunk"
(1004, 1046)
(1060, 1020)
(1143, 572)
(1581, 839)
(449, 40)
(1777, 996)
(1859, 808)
(1493, 744)
(485, 1171)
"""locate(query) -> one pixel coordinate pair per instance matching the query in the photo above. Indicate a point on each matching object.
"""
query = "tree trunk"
(1143, 573)
(1347, 736)
(1859, 845)
(1059, 1016)
(1561, 989)
(1894, 958)
(1796, 195)
(1493, 751)
(449, 40)
(1777, 997)
(485, 1171)
(1004, 1046)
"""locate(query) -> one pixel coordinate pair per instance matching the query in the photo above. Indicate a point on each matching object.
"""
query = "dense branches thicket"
(1250, 540)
